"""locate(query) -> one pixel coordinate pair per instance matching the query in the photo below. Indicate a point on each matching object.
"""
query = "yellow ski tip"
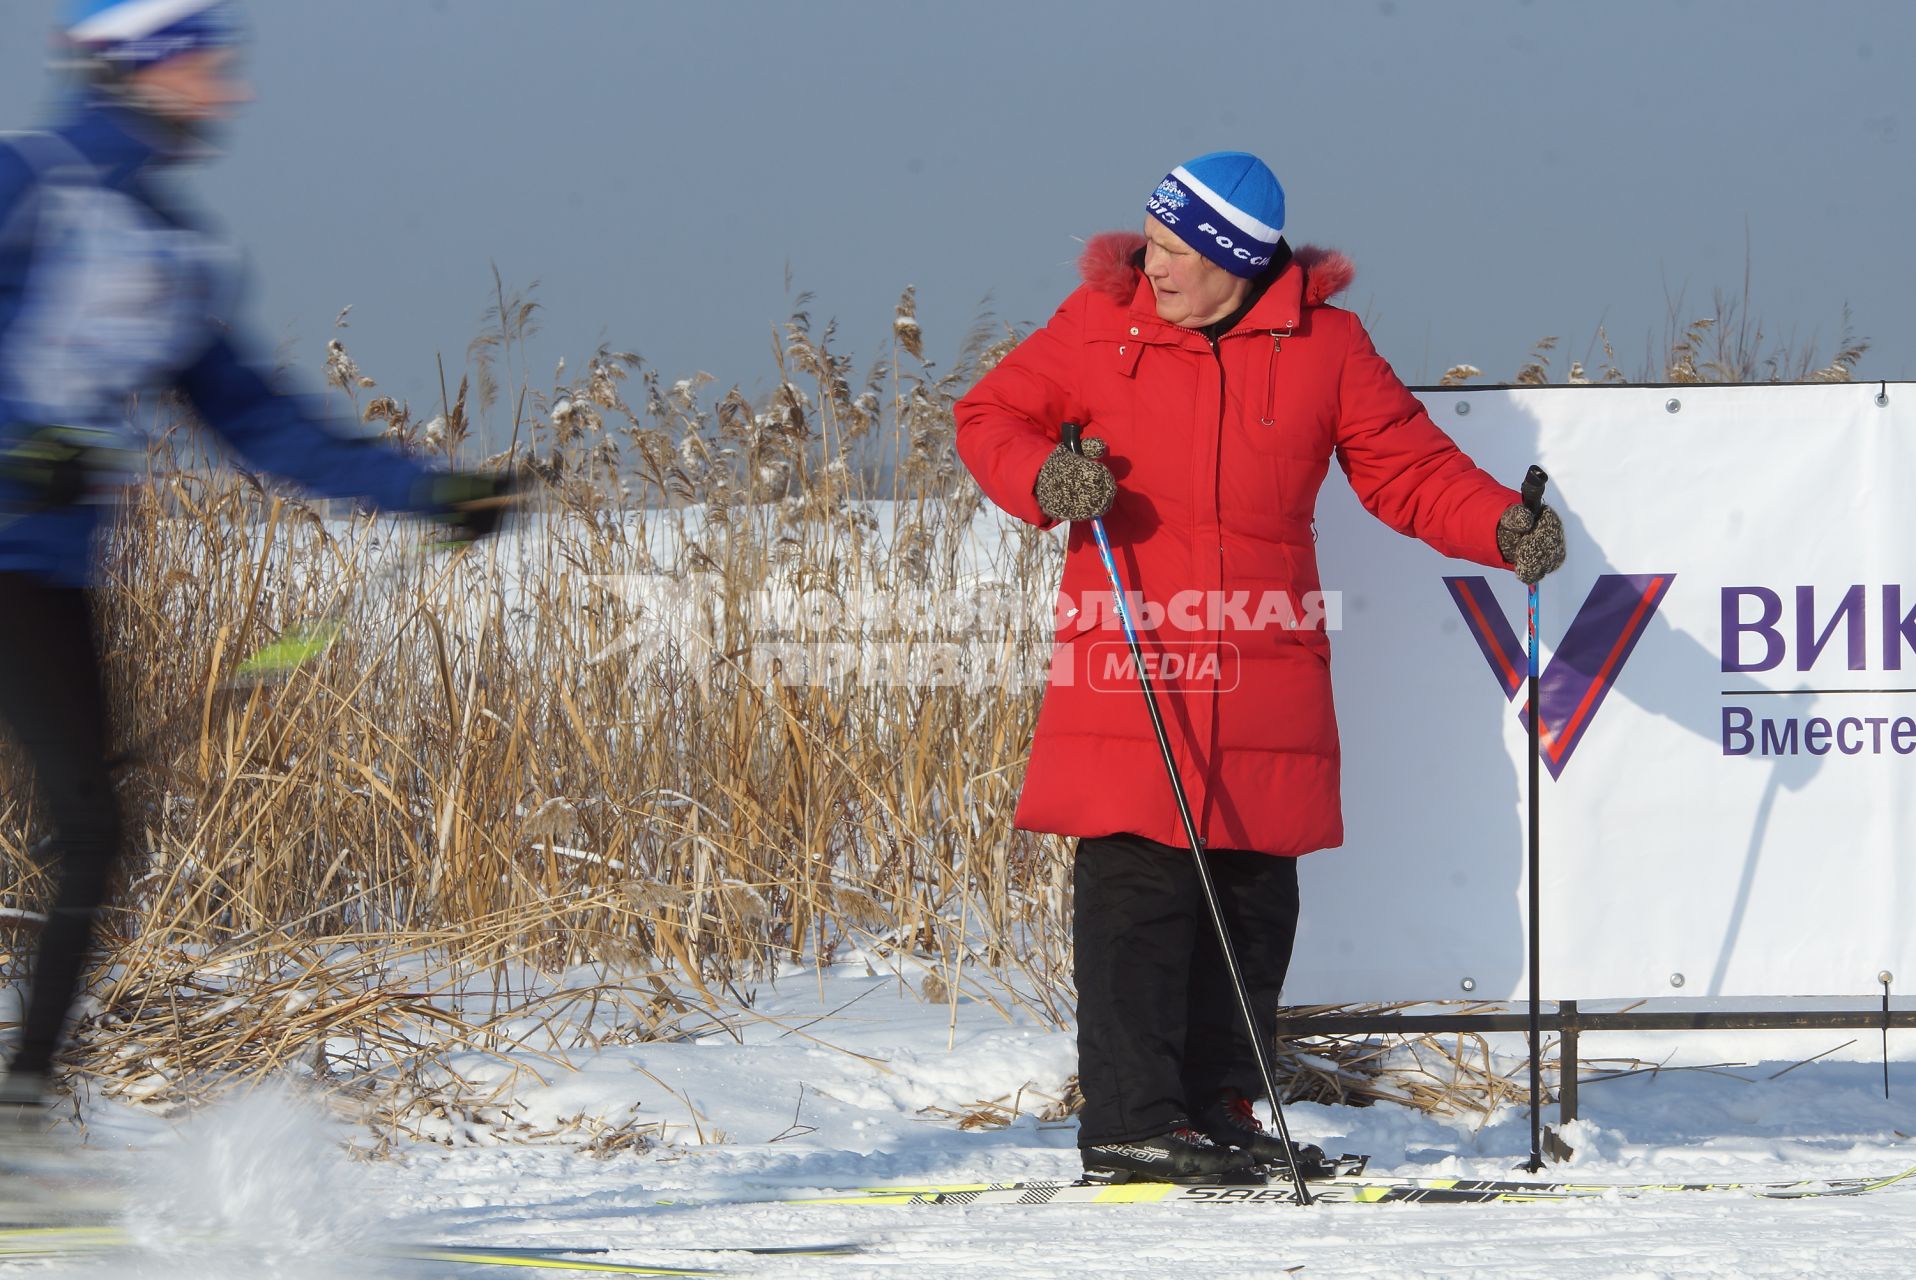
(295, 647)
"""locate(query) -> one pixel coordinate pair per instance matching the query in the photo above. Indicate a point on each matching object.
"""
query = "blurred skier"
(110, 290)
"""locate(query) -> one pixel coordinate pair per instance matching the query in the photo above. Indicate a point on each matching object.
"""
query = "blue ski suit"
(108, 289)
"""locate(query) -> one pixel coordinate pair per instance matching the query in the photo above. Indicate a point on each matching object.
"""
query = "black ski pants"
(1160, 1034)
(52, 704)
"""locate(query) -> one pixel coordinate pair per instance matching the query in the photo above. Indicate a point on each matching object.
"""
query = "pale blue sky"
(1499, 170)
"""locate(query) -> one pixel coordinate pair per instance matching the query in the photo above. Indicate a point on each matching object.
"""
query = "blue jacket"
(109, 291)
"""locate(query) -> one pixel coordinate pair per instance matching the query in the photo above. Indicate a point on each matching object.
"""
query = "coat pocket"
(1116, 347)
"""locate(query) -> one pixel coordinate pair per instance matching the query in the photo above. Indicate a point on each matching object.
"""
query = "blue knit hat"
(1227, 205)
(131, 34)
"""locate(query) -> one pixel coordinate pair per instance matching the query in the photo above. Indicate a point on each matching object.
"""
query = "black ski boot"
(23, 1108)
(28, 1145)
(1232, 1121)
(1183, 1155)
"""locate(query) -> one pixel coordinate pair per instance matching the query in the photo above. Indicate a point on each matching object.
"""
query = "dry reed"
(488, 822)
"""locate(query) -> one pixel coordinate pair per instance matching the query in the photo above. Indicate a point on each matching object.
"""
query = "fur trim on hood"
(1112, 261)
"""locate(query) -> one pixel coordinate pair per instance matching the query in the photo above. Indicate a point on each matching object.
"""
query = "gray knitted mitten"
(1532, 545)
(1074, 486)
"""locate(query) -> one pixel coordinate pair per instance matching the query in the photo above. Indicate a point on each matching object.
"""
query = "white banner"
(1729, 698)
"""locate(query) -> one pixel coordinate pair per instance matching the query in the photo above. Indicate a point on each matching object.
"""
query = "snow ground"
(781, 1102)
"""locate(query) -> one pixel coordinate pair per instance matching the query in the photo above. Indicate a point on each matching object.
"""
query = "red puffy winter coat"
(1218, 455)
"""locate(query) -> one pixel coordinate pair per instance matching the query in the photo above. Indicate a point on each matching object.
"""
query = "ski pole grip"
(1533, 482)
(1071, 434)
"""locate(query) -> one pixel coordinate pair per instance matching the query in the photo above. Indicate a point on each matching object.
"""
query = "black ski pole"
(1533, 483)
(1073, 435)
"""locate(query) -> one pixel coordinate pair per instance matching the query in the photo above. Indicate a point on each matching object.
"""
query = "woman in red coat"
(1215, 383)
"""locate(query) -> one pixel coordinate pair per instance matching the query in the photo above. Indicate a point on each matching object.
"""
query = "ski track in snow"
(840, 1105)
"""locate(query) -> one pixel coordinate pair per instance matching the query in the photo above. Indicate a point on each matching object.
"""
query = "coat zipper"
(1270, 382)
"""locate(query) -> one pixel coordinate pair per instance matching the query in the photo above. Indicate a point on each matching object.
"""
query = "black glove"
(47, 465)
(1072, 486)
(470, 504)
(1533, 545)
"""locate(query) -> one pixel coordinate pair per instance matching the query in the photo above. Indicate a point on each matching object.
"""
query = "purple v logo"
(1584, 667)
